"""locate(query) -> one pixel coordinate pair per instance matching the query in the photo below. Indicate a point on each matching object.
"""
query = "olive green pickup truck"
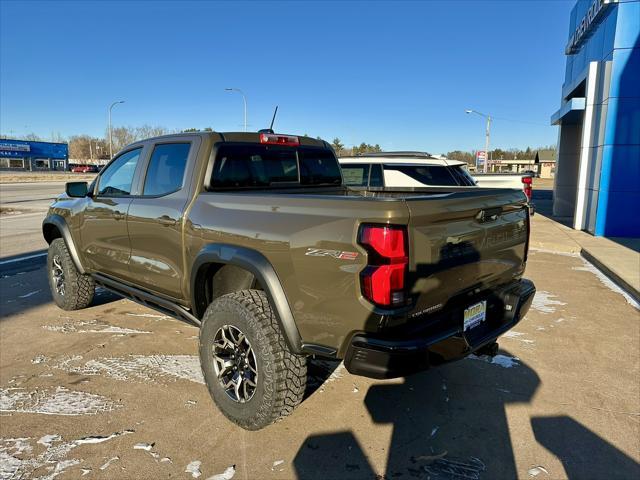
(254, 238)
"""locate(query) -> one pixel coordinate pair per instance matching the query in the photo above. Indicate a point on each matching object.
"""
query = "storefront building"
(28, 155)
(597, 180)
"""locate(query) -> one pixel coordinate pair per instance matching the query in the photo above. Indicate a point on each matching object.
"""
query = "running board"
(147, 299)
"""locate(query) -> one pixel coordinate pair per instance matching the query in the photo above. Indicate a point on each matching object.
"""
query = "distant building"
(30, 156)
(543, 165)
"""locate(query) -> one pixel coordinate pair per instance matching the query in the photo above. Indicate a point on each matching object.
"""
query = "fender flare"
(261, 268)
(60, 223)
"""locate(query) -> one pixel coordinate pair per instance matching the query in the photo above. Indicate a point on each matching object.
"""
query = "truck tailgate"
(466, 241)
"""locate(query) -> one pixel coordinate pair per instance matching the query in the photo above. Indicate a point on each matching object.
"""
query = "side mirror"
(76, 189)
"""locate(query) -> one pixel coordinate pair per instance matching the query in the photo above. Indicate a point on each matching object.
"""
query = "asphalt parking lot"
(115, 391)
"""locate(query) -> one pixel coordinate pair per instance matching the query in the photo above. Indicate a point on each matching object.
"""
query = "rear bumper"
(401, 353)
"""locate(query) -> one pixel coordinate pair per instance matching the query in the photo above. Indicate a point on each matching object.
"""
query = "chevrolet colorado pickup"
(254, 238)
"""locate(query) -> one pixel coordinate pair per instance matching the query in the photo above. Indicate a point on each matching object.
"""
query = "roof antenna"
(270, 129)
(275, 112)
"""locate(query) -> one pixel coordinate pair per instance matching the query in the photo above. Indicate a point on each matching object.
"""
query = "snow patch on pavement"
(60, 402)
(518, 336)
(226, 475)
(30, 294)
(149, 315)
(544, 303)
(194, 468)
(13, 465)
(47, 440)
(504, 361)
(138, 367)
(105, 465)
(607, 282)
(92, 326)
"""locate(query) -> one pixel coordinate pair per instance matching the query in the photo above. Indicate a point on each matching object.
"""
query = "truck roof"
(405, 158)
(249, 137)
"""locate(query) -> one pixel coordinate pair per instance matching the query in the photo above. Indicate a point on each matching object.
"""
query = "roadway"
(22, 208)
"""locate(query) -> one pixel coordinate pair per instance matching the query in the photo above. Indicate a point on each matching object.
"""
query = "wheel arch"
(214, 257)
(55, 226)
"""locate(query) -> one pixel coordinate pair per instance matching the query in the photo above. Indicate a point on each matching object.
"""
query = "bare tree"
(123, 136)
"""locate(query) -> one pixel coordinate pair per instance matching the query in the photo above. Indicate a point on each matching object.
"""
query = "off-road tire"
(78, 288)
(282, 375)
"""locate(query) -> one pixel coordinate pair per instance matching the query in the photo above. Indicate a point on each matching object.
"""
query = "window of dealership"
(597, 180)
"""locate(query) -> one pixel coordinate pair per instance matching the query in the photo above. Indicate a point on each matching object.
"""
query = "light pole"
(487, 136)
(110, 139)
(244, 101)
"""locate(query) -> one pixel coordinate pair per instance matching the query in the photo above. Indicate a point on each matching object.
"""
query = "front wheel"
(252, 376)
(71, 290)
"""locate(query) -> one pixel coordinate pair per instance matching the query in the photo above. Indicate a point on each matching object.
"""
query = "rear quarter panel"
(323, 291)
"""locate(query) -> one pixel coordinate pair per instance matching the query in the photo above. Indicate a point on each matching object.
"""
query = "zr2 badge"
(321, 252)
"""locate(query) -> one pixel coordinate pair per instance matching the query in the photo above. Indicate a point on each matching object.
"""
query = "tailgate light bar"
(277, 139)
(383, 279)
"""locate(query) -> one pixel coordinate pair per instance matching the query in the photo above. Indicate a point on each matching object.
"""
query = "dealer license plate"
(475, 315)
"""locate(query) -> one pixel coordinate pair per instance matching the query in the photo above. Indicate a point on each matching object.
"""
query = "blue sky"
(399, 74)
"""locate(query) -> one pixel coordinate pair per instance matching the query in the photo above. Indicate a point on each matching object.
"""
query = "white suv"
(404, 169)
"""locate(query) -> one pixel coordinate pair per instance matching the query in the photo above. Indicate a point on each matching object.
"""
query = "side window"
(355, 174)
(376, 179)
(116, 180)
(166, 168)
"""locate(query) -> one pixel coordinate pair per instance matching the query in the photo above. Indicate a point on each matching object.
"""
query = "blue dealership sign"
(29, 149)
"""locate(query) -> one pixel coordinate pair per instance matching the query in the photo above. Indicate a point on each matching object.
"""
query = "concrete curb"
(614, 277)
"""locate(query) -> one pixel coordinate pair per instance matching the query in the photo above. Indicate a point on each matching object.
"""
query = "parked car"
(85, 169)
(421, 169)
(254, 238)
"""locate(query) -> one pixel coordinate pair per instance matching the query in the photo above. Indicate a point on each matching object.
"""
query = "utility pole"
(487, 137)
(486, 144)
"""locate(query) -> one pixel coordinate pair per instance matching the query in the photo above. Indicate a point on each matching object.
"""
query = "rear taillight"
(276, 139)
(527, 187)
(383, 279)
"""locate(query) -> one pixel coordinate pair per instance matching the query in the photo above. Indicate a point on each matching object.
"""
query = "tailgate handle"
(488, 215)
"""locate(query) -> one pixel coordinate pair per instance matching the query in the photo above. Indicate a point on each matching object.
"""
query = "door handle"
(118, 215)
(166, 220)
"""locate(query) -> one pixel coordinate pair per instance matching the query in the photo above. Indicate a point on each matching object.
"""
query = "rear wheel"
(71, 290)
(252, 376)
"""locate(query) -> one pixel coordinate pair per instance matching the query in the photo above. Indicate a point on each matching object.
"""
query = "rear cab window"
(165, 172)
(251, 166)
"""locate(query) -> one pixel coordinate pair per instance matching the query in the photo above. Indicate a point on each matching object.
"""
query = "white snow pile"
(226, 475)
(544, 303)
(503, 361)
(14, 465)
(91, 326)
(59, 402)
(194, 468)
(511, 334)
(607, 282)
(138, 367)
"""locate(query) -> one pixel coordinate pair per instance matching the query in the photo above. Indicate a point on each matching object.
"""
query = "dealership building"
(28, 155)
(597, 178)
